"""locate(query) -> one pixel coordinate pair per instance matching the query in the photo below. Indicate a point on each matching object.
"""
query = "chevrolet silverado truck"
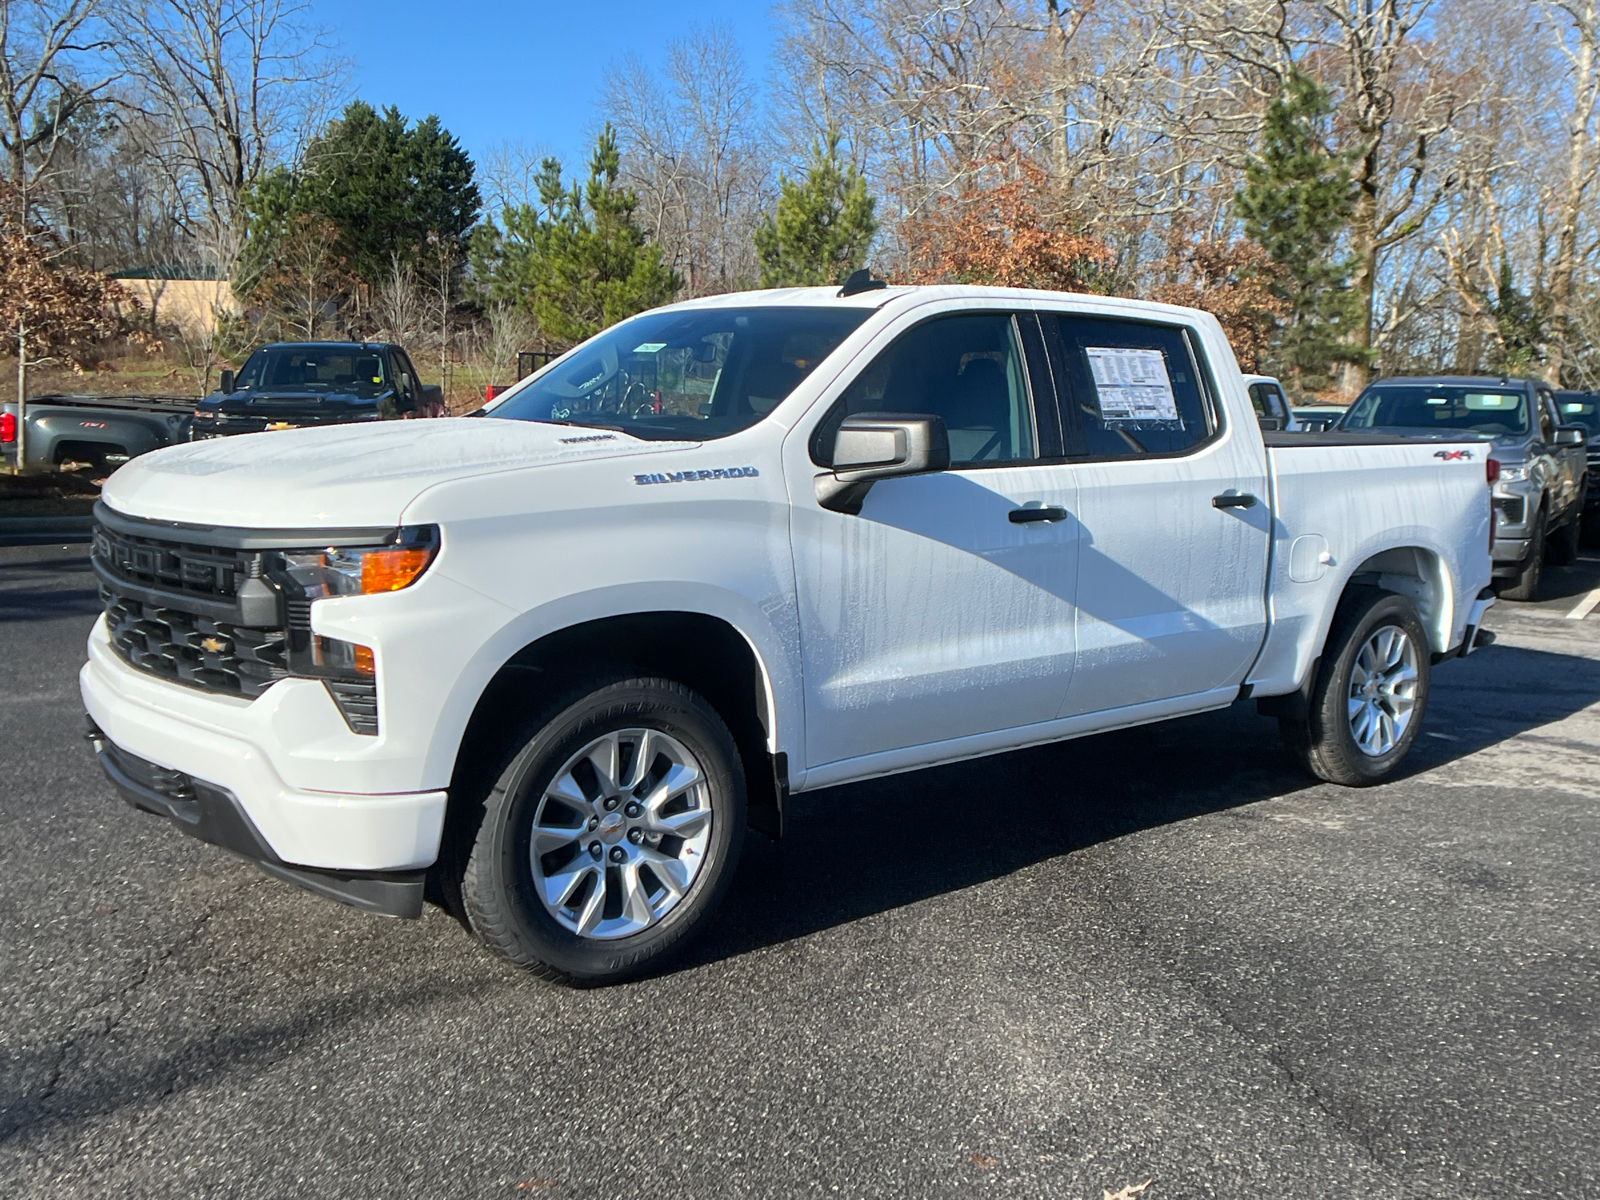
(288, 385)
(544, 666)
(102, 431)
(1540, 469)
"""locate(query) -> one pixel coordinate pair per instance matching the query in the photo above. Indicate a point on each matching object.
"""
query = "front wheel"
(1367, 703)
(608, 840)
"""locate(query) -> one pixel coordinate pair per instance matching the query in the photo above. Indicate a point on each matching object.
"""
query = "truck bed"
(121, 401)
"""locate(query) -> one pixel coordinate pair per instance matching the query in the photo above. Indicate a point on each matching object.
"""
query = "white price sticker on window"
(1133, 385)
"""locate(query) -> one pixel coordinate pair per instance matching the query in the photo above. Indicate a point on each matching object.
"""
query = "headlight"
(1513, 472)
(364, 570)
(346, 668)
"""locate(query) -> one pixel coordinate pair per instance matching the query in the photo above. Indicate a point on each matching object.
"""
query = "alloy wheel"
(620, 834)
(1383, 690)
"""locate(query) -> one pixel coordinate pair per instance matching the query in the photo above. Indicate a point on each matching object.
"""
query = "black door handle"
(1233, 500)
(1022, 516)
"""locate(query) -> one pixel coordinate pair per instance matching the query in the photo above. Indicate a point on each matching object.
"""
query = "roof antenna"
(860, 281)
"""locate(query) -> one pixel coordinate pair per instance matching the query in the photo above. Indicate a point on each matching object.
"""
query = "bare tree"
(232, 86)
(40, 95)
(1570, 204)
(697, 159)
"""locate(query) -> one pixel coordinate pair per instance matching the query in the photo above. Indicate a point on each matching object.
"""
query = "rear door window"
(1128, 389)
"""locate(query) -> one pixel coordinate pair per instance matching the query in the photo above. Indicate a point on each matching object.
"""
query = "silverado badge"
(213, 645)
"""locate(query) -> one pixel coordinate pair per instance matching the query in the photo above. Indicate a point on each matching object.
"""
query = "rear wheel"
(1526, 584)
(609, 838)
(1367, 703)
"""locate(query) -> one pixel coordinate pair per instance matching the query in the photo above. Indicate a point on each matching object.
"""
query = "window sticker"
(649, 347)
(1133, 385)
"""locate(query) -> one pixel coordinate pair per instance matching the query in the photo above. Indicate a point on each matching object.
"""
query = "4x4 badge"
(1452, 455)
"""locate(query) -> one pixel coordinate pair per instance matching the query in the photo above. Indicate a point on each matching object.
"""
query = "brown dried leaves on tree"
(53, 311)
(1233, 281)
(996, 236)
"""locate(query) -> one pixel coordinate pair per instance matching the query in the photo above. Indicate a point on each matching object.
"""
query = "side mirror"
(1572, 435)
(1270, 424)
(874, 446)
(225, 382)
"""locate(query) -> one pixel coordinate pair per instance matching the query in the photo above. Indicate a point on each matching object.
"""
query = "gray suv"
(1539, 496)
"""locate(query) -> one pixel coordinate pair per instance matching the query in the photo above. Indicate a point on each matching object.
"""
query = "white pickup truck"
(544, 665)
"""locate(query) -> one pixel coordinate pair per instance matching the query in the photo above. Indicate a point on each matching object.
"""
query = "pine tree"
(578, 260)
(1296, 201)
(387, 185)
(823, 225)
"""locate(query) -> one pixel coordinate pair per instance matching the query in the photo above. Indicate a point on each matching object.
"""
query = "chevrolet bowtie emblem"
(214, 644)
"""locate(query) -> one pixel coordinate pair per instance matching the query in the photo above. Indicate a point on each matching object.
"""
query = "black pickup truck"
(290, 384)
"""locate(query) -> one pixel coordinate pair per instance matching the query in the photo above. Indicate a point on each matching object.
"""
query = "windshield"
(1579, 408)
(1428, 406)
(314, 369)
(692, 375)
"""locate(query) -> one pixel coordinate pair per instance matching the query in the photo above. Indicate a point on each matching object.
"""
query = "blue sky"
(496, 70)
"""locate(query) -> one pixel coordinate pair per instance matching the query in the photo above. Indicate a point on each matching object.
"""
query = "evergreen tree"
(823, 225)
(578, 261)
(1297, 198)
(387, 185)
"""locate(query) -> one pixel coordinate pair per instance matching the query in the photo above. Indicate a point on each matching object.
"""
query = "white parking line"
(1585, 606)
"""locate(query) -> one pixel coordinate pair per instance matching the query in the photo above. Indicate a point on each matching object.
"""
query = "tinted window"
(1259, 401)
(1130, 388)
(1437, 406)
(1579, 408)
(966, 369)
(695, 374)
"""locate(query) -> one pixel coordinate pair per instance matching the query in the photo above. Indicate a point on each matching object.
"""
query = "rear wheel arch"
(1418, 574)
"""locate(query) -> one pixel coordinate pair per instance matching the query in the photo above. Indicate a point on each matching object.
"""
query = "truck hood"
(345, 476)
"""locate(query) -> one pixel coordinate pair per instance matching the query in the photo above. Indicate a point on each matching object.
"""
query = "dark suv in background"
(290, 384)
(1583, 408)
(1543, 482)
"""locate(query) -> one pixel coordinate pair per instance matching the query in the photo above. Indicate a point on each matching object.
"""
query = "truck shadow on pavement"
(857, 850)
(24, 599)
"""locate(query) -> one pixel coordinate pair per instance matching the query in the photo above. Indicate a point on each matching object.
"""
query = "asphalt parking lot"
(1156, 954)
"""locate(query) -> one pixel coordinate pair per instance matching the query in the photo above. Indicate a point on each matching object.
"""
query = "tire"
(1526, 586)
(567, 913)
(1325, 739)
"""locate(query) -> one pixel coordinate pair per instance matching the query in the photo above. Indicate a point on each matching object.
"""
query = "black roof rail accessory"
(860, 281)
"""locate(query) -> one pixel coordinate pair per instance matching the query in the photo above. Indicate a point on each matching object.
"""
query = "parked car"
(1272, 408)
(545, 665)
(290, 384)
(101, 431)
(1542, 469)
(1583, 408)
(1318, 418)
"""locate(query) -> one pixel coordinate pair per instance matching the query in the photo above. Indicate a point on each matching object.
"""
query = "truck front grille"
(187, 648)
(172, 566)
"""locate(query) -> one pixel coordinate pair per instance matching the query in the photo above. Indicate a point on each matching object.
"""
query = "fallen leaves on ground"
(1131, 1192)
(984, 1161)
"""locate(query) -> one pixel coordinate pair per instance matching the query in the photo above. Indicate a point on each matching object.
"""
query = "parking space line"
(1585, 606)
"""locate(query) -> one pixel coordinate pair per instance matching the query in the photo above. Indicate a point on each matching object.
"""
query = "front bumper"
(212, 740)
(215, 815)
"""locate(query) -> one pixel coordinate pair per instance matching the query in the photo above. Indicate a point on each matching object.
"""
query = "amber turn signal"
(391, 570)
